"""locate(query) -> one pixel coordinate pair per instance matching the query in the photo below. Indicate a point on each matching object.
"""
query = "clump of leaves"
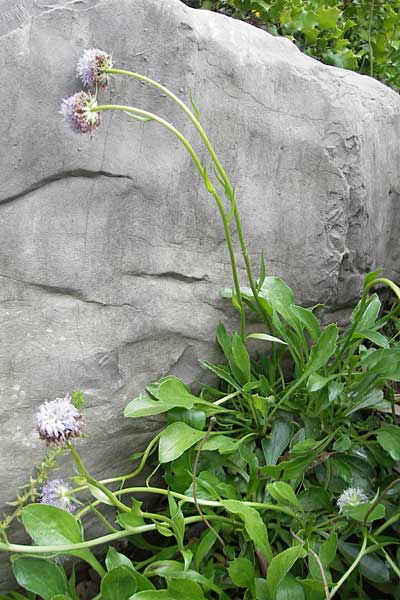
(360, 35)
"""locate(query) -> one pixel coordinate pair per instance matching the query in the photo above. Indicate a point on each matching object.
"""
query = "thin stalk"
(212, 503)
(352, 566)
(111, 537)
(209, 186)
(230, 193)
(91, 481)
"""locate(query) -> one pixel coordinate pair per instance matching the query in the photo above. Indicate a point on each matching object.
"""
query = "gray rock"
(112, 254)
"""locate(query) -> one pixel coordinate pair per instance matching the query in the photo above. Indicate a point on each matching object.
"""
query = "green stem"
(228, 186)
(209, 186)
(352, 566)
(213, 503)
(91, 481)
(111, 537)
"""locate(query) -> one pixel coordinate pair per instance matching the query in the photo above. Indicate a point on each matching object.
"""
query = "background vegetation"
(361, 35)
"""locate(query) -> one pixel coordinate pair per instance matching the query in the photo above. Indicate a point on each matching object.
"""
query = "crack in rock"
(168, 275)
(85, 173)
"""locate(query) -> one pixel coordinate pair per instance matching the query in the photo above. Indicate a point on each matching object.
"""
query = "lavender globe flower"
(77, 112)
(56, 493)
(58, 421)
(90, 67)
(351, 497)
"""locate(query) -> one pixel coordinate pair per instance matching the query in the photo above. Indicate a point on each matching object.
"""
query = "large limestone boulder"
(111, 252)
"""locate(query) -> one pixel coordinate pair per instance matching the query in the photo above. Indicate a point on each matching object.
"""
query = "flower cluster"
(91, 67)
(57, 493)
(58, 421)
(78, 113)
(351, 497)
(79, 110)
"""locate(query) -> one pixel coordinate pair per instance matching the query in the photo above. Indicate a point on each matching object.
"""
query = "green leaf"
(327, 550)
(284, 494)
(52, 526)
(115, 559)
(253, 523)
(222, 443)
(359, 513)
(40, 576)
(389, 438)
(266, 337)
(241, 357)
(205, 546)
(224, 340)
(290, 589)
(278, 442)
(328, 17)
(373, 336)
(242, 573)
(323, 349)
(171, 569)
(194, 106)
(171, 393)
(373, 399)
(221, 372)
(280, 566)
(370, 314)
(118, 584)
(183, 589)
(308, 319)
(151, 595)
(278, 294)
(176, 439)
(316, 382)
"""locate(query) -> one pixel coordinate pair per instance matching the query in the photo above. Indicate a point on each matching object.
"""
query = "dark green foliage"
(361, 35)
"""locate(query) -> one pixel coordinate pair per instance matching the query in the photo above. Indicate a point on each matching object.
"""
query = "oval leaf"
(176, 439)
(39, 576)
(118, 584)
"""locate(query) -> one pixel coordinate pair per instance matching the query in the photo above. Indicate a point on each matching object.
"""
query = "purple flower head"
(56, 493)
(78, 114)
(58, 421)
(90, 67)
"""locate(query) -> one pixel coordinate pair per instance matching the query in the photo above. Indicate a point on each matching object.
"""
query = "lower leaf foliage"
(280, 480)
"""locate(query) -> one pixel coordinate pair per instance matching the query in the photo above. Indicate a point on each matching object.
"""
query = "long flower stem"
(230, 193)
(208, 184)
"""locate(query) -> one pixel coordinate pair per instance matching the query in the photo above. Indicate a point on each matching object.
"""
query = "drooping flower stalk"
(225, 181)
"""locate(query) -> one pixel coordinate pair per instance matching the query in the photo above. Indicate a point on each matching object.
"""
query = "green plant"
(280, 479)
(361, 35)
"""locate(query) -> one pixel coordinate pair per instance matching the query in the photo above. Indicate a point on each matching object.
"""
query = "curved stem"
(66, 548)
(229, 188)
(352, 566)
(93, 482)
(208, 184)
(213, 503)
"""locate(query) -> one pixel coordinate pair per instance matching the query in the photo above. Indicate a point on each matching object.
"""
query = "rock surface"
(112, 254)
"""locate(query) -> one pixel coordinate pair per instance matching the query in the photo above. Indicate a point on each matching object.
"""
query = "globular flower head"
(91, 67)
(58, 421)
(78, 114)
(351, 497)
(57, 493)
